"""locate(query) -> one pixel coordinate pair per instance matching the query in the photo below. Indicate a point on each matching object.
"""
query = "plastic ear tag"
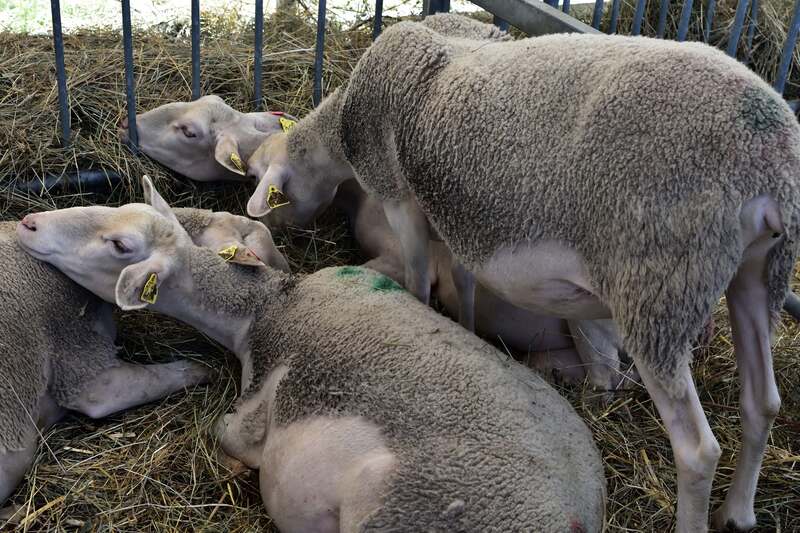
(150, 289)
(286, 123)
(237, 162)
(275, 198)
(228, 253)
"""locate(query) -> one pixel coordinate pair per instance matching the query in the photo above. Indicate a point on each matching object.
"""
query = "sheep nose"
(29, 222)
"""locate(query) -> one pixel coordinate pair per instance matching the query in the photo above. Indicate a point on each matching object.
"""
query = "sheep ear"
(138, 284)
(227, 154)
(241, 255)
(156, 201)
(269, 193)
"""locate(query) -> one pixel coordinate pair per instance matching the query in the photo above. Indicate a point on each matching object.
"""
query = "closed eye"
(120, 247)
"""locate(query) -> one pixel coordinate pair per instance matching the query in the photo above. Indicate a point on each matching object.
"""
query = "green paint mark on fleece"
(761, 110)
(349, 271)
(383, 283)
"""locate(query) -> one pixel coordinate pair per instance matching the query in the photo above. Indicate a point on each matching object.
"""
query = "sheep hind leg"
(694, 446)
(597, 343)
(129, 385)
(411, 227)
(759, 398)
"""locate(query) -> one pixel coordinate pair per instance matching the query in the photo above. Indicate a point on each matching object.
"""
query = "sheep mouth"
(23, 235)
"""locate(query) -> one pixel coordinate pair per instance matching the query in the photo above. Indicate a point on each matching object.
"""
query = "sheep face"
(292, 189)
(242, 240)
(205, 140)
(122, 255)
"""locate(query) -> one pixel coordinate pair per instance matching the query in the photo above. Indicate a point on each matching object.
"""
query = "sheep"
(57, 349)
(367, 410)
(668, 177)
(205, 139)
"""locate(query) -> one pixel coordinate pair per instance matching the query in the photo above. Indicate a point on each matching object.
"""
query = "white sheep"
(587, 176)
(57, 349)
(205, 139)
(368, 411)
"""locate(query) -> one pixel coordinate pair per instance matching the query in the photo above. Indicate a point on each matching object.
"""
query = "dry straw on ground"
(156, 468)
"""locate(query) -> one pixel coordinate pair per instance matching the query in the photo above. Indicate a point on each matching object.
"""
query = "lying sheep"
(57, 349)
(669, 178)
(368, 411)
(205, 139)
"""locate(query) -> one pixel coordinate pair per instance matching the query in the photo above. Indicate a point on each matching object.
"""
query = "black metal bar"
(751, 28)
(712, 4)
(534, 18)
(82, 180)
(61, 74)
(503, 24)
(430, 7)
(792, 305)
(377, 22)
(662, 18)
(738, 23)
(597, 14)
(130, 87)
(615, 5)
(320, 49)
(258, 45)
(683, 25)
(788, 50)
(637, 17)
(195, 49)
(565, 6)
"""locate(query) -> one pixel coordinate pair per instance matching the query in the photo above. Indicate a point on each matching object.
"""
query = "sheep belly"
(555, 280)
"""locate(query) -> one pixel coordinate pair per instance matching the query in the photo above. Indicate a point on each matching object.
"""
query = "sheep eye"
(189, 134)
(120, 247)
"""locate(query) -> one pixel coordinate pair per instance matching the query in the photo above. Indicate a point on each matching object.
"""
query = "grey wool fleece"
(638, 153)
(483, 444)
(50, 339)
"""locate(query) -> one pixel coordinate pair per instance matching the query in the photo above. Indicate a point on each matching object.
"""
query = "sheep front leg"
(597, 343)
(464, 281)
(411, 227)
(129, 385)
(13, 466)
(694, 447)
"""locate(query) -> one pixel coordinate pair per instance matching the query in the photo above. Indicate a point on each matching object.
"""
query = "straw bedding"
(156, 468)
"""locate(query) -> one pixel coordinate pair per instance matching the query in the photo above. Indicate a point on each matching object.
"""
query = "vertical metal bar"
(686, 15)
(377, 22)
(736, 31)
(712, 4)
(612, 28)
(662, 18)
(258, 46)
(320, 49)
(637, 17)
(565, 7)
(502, 24)
(788, 50)
(130, 89)
(61, 73)
(597, 14)
(195, 49)
(751, 29)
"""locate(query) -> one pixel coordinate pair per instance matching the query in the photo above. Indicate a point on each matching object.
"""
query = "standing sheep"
(57, 349)
(668, 177)
(368, 411)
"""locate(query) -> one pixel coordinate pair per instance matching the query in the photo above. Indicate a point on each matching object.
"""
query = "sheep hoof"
(234, 466)
(730, 521)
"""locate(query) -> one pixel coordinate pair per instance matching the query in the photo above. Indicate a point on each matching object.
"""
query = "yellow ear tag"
(150, 289)
(228, 253)
(286, 124)
(237, 162)
(275, 198)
